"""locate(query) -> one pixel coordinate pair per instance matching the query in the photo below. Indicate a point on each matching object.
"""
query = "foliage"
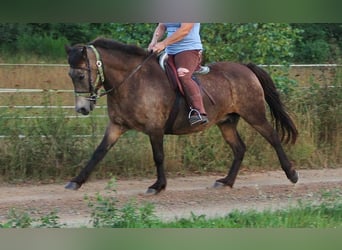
(106, 213)
(17, 220)
(22, 219)
(44, 147)
(320, 43)
(9, 33)
(43, 46)
(133, 33)
(262, 43)
(319, 117)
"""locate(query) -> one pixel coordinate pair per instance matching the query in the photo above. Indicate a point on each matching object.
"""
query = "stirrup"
(203, 70)
(195, 117)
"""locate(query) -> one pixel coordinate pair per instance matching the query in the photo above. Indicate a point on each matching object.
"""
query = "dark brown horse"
(140, 97)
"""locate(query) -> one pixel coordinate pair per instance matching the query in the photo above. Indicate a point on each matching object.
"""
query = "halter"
(93, 89)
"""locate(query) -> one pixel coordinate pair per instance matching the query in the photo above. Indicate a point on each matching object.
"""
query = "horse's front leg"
(113, 132)
(158, 157)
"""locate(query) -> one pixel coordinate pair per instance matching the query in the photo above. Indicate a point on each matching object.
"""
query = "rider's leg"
(186, 63)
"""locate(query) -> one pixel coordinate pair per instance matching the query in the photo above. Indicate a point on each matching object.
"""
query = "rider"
(183, 45)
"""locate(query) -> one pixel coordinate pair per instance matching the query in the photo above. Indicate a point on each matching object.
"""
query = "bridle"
(94, 86)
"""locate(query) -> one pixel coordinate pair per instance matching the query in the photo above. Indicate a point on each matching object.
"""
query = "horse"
(140, 97)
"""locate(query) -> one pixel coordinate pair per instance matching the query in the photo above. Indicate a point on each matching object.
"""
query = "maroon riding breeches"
(186, 63)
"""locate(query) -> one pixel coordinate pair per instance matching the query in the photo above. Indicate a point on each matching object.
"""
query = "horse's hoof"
(72, 185)
(218, 185)
(151, 191)
(294, 178)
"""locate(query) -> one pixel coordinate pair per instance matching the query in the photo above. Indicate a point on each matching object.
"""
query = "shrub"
(44, 46)
(106, 211)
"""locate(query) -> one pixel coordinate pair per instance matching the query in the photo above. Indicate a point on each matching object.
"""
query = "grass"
(324, 215)
(326, 212)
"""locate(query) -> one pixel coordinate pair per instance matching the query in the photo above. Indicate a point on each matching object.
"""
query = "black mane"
(114, 45)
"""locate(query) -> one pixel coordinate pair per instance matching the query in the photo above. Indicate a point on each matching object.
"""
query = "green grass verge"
(325, 215)
(106, 213)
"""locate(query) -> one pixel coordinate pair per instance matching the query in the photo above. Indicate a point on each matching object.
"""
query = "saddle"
(170, 69)
(202, 70)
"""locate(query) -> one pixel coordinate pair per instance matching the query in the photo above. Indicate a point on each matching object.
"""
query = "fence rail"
(8, 90)
(262, 65)
(13, 91)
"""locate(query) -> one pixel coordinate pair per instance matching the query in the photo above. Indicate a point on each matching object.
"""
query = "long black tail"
(283, 122)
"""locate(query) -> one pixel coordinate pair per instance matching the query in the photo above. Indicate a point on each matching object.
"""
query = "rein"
(135, 70)
(100, 76)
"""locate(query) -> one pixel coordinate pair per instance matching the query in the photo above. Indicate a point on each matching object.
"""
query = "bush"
(316, 51)
(45, 46)
(318, 110)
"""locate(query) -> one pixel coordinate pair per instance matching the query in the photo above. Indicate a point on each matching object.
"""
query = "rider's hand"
(157, 48)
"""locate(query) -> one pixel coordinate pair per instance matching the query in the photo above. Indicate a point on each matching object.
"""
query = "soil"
(183, 196)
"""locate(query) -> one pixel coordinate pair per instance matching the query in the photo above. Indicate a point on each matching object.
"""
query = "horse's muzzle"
(83, 111)
(84, 105)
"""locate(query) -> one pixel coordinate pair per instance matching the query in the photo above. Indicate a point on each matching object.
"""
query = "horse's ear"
(67, 48)
(84, 51)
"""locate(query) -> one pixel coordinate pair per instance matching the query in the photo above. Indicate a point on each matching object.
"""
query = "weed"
(22, 219)
(50, 220)
(17, 219)
(107, 213)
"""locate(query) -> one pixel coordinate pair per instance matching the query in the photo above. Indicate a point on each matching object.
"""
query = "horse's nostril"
(83, 111)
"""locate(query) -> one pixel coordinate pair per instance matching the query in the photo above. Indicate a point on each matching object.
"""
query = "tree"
(320, 43)
(262, 43)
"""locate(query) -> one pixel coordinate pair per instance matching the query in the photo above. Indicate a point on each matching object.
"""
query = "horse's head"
(83, 69)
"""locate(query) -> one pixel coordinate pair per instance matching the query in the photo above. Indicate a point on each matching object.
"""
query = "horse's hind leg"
(232, 137)
(271, 135)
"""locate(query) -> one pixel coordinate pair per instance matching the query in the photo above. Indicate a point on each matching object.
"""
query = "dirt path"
(183, 195)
